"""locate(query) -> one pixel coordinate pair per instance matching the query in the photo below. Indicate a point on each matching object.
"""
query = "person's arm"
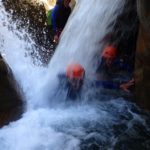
(55, 18)
(125, 86)
(114, 85)
(56, 23)
(107, 84)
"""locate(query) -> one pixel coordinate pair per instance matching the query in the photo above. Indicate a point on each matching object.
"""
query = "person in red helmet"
(111, 62)
(107, 58)
(75, 74)
(109, 54)
(74, 78)
(109, 66)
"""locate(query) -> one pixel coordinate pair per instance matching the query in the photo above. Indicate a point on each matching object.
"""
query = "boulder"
(11, 104)
(142, 59)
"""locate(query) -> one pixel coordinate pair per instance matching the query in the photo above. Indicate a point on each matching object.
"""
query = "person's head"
(75, 74)
(109, 54)
(66, 2)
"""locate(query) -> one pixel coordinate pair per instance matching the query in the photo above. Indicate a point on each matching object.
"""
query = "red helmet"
(109, 52)
(75, 71)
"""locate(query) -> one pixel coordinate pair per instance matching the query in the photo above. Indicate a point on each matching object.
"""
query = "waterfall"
(87, 26)
(51, 124)
(82, 38)
(77, 41)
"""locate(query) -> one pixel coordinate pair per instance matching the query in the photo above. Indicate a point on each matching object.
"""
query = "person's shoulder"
(61, 76)
(55, 10)
(56, 7)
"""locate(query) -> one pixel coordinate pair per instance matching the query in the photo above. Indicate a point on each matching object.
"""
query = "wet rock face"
(142, 63)
(126, 28)
(11, 104)
(124, 33)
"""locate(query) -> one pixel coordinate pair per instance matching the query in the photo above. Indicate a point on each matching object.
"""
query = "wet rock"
(119, 129)
(11, 104)
(130, 144)
(136, 136)
(94, 141)
(142, 61)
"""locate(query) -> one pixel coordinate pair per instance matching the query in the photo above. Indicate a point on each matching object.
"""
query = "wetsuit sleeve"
(106, 84)
(62, 76)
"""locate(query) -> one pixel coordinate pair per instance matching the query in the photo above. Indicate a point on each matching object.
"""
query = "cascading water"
(52, 124)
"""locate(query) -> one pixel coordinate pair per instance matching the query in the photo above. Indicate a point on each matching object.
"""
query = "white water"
(85, 29)
(80, 41)
(45, 126)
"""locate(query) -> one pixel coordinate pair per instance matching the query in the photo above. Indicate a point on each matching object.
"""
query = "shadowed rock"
(142, 62)
(11, 104)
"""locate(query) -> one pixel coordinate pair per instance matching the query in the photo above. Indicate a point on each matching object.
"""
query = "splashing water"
(87, 16)
(111, 124)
